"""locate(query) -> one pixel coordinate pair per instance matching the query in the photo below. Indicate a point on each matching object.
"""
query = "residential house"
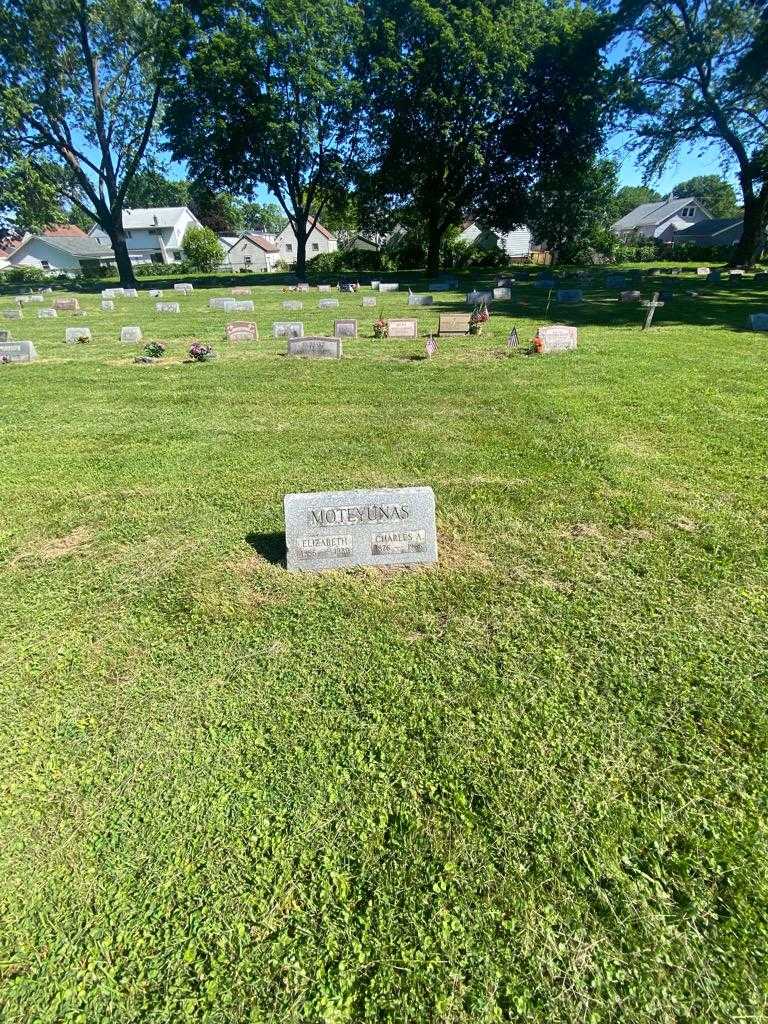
(361, 243)
(253, 253)
(321, 240)
(660, 220)
(517, 243)
(154, 235)
(715, 233)
(60, 253)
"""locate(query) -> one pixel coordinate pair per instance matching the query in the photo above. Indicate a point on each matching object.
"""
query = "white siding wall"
(38, 251)
(316, 243)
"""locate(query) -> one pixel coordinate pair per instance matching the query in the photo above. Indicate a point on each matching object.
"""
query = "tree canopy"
(80, 86)
(288, 116)
(695, 78)
(717, 194)
(468, 106)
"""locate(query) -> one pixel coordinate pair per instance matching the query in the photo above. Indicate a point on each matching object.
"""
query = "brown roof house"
(253, 253)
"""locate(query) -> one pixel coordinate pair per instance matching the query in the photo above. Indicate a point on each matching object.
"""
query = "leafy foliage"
(202, 249)
(693, 80)
(262, 217)
(572, 209)
(717, 194)
(80, 86)
(286, 116)
(150, 186)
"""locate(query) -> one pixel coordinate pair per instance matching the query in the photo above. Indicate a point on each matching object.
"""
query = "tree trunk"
(434, 239)
(301, 251)
(122, 259)
(748, 248)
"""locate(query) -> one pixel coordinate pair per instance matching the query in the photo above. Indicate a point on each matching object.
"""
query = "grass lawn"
(526, 785)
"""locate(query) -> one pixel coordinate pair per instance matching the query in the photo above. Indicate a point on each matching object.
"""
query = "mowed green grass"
(528, 784)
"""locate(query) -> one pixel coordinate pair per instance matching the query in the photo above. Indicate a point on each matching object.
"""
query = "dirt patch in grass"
(46, 550)
(455, 552)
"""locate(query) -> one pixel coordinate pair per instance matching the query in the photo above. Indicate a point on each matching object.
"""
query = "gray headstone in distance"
(337, 529)
(315, 347)
(17, 352)
(758, 321)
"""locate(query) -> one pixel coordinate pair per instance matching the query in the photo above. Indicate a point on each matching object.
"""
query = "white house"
(154, 235)
(660, 220)
(252, 252)
(321, 240)
(514, 243)
(62, 253)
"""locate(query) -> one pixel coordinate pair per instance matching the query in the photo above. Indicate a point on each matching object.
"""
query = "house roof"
(710, 228)
(152, 217)
(651, 214)
(64, 231)
(82, 248)
(257, 240)
(323, 231)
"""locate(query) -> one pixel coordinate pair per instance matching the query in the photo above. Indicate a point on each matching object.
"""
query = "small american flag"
(512, 340)
(431, 346)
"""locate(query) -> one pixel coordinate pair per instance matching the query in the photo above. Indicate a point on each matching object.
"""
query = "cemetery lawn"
(527, 785)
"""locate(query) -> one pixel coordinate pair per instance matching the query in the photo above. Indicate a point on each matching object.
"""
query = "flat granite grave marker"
(17, 351)
(403, 328)
(323, 287)
(631, 296)
(243, 306)
(46, 313)
(68, 305)
(288, 329)
(558, 338)
(502, 292)
(167, 307)
(336, 529)
(241, 330)
(118, 293)
(108, 293)
(13, 314)
(185, 287)
(570, 295)
(302, 286)
(74, 335)
(616, 281)
(130, 293)
(315, 347)
(107, 305)
(420, 300)
(128, 334)
(328, 304)
(375, 285)
(155, 293)
(388, 287)
(293, 304)
(454, 323)
(241, 291)
(345, 328)
(758, 321)
(476, 296)
(702, 271)
(715, 275)
(33, 298)
(224, 304)
(369, 300)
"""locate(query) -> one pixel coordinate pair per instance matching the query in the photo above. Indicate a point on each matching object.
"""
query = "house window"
(288, 247)
(315, 247)
(248, 261)
(45, 264)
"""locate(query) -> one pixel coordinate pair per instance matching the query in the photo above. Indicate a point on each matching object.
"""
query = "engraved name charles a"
(357, 515)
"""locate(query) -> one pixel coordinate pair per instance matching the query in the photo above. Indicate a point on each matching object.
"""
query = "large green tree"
(261, 217)
(268, 98)
(696, 76)
(151, 186)
(571, 211)
(81, 83)
(30, 196)
(716, 193)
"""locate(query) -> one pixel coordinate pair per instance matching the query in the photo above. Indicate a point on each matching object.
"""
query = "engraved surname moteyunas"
(351, 515)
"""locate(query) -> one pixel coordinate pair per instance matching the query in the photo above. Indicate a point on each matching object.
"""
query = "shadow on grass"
(271, 546)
